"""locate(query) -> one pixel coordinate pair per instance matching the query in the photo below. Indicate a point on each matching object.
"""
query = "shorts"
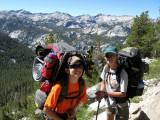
(121, 113)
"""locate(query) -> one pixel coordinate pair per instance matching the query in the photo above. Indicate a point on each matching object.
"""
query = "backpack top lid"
(129, 55)
(60, 47)
(130, 52)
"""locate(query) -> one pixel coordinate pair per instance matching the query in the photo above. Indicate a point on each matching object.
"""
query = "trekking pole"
(97, 109)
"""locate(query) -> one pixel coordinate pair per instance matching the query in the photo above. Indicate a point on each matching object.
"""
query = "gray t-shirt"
(112, 84)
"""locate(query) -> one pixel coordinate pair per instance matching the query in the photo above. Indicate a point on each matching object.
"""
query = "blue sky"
(91, 7)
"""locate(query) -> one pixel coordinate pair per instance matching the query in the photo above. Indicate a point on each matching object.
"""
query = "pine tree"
(156, 50)
(50, 39)
(142, 35)
(98, 53)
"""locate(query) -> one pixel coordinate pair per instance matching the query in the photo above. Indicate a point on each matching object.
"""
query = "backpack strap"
(118, 73)
(64, 89)
(81, 85)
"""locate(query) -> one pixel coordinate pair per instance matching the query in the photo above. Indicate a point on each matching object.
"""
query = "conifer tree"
(98, 53)
(99, 59)
(156, 50)
(50, 39)
(142, 35)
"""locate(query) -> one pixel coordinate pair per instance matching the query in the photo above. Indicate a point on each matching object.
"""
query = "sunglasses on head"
(76, 66)
(110, 56)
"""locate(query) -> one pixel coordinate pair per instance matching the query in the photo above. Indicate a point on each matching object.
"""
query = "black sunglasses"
(110, 56)
(76, 66)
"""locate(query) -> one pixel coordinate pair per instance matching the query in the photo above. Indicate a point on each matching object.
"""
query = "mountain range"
(80, 31)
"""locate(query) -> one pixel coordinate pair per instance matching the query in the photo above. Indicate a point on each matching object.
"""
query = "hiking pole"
(97, 109)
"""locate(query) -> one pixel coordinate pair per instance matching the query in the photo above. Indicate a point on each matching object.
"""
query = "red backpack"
(48, 68)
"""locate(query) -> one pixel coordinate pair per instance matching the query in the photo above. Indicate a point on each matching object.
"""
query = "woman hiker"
(65, 110)
(113, 91)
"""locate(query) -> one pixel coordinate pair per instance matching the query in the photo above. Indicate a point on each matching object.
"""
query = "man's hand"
(100, 95)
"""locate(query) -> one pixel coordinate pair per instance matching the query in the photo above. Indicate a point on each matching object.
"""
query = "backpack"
(48, 68)
(130, 59)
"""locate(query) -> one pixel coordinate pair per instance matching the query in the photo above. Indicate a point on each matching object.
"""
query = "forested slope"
(16, 80)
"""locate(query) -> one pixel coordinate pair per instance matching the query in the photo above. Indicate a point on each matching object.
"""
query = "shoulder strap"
(64, 90)
(118, 73)
(81, 85)
(106, 72)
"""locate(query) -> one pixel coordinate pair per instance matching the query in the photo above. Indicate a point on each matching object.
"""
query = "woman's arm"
(103, 86)
(51, 113)
(116, 94)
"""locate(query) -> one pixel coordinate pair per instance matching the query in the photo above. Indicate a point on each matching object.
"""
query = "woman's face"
(111, 58)
(76, 70)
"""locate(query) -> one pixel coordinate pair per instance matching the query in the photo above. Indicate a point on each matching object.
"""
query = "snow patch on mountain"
(15, 33)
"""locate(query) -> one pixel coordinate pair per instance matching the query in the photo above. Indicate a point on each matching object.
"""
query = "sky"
(81, 7)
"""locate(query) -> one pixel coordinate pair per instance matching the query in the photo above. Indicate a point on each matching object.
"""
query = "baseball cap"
(110, 49)
(72, 60)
